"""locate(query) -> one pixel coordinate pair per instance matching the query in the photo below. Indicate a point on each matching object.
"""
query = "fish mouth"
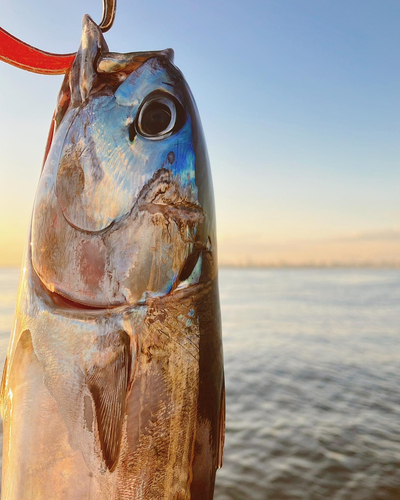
(189, 277)
(62, 302)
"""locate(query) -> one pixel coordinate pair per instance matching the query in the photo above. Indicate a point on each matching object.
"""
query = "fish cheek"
(137, 280)
(92, 262)
(161, 251)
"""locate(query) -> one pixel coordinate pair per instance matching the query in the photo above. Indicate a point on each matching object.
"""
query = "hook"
(18, 53)
(109, 9)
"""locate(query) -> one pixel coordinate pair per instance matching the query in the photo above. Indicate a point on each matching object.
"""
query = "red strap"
(14, 51)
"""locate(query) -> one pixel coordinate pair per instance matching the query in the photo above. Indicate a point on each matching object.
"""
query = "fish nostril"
(132, 131)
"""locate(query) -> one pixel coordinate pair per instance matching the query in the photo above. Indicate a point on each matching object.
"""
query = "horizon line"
(313, 266)
(284, 265)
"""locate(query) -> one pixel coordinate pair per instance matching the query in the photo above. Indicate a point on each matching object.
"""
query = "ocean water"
(312, 361)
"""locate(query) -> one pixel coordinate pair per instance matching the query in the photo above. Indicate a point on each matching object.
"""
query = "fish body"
(113, 387)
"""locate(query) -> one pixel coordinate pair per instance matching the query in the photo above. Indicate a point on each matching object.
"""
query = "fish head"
(124, 209)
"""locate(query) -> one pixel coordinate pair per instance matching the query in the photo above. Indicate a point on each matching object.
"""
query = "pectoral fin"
(107, 379)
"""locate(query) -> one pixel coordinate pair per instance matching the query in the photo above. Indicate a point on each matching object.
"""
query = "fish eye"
(159, 116)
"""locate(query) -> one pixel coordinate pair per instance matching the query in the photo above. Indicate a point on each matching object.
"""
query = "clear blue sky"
(300, 102)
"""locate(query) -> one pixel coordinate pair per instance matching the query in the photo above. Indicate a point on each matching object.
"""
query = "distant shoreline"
(312, 266)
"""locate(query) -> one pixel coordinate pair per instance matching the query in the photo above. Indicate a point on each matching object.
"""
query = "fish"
(113, 386)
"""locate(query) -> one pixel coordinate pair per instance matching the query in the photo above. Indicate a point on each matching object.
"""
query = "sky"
(300, 104)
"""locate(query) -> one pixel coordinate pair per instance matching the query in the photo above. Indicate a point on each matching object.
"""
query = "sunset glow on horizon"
(300, 107)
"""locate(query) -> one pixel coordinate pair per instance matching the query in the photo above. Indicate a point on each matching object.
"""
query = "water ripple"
(312, 363)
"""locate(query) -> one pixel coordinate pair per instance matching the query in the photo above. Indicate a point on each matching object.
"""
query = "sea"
(312, 364)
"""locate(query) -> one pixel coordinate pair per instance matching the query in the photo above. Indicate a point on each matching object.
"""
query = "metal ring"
(109, 9)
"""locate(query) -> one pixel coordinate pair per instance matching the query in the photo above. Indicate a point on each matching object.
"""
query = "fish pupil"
(156, 118)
